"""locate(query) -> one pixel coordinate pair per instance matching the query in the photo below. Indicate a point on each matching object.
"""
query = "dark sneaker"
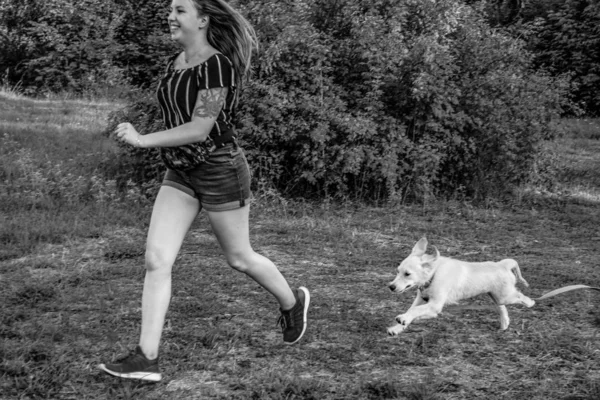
(134, 366)
(293, 322)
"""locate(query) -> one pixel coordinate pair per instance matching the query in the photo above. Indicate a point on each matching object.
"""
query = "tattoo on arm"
(210, 102)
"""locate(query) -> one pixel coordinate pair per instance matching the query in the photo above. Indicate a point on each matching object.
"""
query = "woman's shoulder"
(218, 64)
(218, 58)
(217, 71)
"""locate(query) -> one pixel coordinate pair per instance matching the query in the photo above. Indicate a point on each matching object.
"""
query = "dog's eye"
(407, 274)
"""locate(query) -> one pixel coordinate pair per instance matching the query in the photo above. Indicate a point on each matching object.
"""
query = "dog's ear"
(420, 248)
(428, 260)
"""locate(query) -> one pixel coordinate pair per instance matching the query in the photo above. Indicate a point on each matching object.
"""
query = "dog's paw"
(504, 324)
(530, 303)
(402, 320)
(395, 330)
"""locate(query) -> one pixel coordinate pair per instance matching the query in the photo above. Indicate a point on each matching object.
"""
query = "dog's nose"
(392, 287)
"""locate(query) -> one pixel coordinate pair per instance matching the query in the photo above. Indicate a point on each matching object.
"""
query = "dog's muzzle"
(395, 288)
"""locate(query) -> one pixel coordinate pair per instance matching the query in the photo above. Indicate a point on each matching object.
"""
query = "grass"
(71, 269)
(581, 163)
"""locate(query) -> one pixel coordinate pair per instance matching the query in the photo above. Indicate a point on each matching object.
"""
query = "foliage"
(141, 39)
(142, 166)
(83, 46)
(378, 100)
(565, 38)
(501, 12)
(314, 124)
(383, 100)
(54, 185)
(61, 45)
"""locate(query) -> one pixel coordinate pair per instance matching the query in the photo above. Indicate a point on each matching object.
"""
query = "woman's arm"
(209, 104)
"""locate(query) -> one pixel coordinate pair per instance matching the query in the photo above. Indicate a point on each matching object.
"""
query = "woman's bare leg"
(232, 231)
(172, 215)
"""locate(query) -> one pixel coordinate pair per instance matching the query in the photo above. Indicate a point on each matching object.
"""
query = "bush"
(30, 185)
(384, 100)
(378, 100)
(565, 38)
(96, 48)
(141, 166)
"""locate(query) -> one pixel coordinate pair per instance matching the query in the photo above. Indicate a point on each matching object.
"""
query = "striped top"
(177, 92)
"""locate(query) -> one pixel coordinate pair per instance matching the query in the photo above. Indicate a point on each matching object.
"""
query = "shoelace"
(285, 320)
(131, 356)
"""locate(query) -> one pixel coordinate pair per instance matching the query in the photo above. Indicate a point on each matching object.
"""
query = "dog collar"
(426, 284)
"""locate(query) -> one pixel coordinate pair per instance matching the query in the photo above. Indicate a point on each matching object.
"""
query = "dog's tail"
(514, 267)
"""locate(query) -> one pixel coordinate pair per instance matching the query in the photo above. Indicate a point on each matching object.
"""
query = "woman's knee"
(156, 260)
(240, 261)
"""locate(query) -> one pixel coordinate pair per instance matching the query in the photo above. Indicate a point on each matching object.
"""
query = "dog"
(442, 280)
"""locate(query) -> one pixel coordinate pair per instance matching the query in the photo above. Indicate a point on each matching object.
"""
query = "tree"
(368, 99)
(82, 46)
(565, 39)
(386, 99)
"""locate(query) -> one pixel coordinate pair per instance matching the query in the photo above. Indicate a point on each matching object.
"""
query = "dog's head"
(416, 269)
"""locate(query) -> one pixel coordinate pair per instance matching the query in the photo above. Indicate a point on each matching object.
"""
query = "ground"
(71, 281)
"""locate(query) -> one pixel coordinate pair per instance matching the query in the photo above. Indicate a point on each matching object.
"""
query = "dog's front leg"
(399, 328)
(423, 311)
(419, 299)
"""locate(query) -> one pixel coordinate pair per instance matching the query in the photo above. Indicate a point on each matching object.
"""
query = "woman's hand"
(128, 134)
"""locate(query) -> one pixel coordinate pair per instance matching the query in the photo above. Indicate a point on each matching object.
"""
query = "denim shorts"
(221, 183)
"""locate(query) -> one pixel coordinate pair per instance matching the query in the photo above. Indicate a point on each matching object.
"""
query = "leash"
(564, 290)
(552, 293)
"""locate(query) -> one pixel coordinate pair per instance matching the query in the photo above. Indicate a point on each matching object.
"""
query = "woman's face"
(184, 21)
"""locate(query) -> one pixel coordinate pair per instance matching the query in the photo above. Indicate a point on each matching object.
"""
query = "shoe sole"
(305, 314)
(144, 376)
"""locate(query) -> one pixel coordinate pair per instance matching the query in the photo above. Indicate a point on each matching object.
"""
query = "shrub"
(55, 186)
(89, 47)
(564, 38)
(382, 99)
(133, 164)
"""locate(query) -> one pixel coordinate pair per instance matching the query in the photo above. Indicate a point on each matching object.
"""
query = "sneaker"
(293, 322)
(134, 366)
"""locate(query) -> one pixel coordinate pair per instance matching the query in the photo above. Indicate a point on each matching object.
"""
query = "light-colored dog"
(442, 280)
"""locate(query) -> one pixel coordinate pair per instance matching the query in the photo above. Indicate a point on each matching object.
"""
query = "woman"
(205, 170)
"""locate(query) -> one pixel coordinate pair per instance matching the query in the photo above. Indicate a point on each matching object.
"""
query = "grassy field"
(71, 270)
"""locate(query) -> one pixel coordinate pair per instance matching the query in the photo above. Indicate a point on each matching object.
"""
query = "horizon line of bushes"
(375, 100)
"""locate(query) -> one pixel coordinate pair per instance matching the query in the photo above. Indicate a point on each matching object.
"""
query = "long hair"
(230, 33)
